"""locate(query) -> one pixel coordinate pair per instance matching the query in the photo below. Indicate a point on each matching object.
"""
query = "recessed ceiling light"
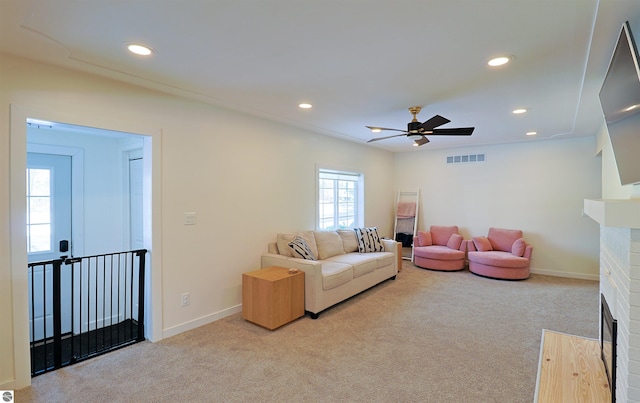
(139, 49)
(500, 60)
(531, 133)
(376, 130)
(305, 106)
(518, 111)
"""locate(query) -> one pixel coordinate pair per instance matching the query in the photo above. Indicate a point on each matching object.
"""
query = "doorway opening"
(94, 208)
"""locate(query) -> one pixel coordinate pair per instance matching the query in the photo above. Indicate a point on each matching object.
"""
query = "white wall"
(611, 187)
(246, 178)
(538, 187)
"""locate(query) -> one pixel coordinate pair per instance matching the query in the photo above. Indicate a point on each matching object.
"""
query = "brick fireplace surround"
(620, 284)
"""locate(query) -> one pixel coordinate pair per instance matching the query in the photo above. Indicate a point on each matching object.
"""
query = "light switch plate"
(189, 218)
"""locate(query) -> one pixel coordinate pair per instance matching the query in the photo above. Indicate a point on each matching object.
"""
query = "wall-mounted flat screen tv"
(620, 99)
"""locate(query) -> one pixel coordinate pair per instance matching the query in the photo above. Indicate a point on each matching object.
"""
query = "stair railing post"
(57, 308)
(141, 274)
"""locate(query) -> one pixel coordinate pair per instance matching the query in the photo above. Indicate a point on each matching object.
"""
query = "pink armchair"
(502, 254)
(440, 248)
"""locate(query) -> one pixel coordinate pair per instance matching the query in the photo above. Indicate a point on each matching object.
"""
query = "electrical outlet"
(186, 299)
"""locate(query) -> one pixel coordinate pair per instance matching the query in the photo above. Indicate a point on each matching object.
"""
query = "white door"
(48, 206)
(48, 228)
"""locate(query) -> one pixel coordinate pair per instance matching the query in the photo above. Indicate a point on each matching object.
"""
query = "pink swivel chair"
(502, 254)
(440, 248)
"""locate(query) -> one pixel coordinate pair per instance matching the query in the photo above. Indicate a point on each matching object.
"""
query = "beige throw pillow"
(329, 244)
(349, 240)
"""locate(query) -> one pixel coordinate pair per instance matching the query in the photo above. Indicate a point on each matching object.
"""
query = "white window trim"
(360, 189)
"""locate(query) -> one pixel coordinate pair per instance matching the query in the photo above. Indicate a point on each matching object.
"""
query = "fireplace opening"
(608, 336)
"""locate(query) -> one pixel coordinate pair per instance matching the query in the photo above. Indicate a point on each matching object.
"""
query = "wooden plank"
(570, 370)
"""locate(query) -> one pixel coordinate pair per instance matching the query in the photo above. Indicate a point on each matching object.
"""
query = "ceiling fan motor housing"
(414, 128)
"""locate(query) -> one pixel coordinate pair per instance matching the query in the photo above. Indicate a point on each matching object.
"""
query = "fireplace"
(619, 274)
(608, 336)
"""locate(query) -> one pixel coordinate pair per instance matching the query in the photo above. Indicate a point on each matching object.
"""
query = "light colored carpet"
(425, 337)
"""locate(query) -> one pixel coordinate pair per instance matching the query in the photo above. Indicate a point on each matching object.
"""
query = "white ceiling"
(359, 62)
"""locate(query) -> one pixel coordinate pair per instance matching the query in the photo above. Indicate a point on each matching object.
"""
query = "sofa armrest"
(528, 251)
(272, 247)
(471, 247)
(390, 245)
(312, 276)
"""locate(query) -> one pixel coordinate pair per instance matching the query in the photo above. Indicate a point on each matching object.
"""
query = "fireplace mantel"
(624, 213)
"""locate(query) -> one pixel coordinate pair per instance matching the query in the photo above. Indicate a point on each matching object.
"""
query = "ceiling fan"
(418, 131)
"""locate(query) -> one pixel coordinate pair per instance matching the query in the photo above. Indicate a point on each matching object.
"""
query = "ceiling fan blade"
(434, 122)
(383, 128)
(459, 131)
(422, 140)
(388, 137)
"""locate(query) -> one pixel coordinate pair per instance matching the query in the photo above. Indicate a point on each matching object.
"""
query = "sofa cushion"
(424, 238)
(482, 243)
(438, 252)
(300, 248)
(498, 258)
(503, 239)
(440, 234)
(329, 244)
(383, 259)
(282, 240)
(454, 241)
(368, 240)
(349, 240)
(518, 247)
(361, 263)
(334, 274)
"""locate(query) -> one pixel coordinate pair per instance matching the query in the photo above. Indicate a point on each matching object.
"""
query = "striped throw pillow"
(368, 240)
(300, 249)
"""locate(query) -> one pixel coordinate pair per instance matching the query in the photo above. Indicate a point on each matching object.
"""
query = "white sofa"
(340, 270)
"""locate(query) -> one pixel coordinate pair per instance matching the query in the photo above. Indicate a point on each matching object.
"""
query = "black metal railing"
(82, 307)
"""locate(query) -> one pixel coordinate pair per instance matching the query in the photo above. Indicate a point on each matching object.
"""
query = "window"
(339, 200)
(38, 210)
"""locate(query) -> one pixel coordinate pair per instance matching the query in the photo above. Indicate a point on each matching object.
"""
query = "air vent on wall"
(465, 159)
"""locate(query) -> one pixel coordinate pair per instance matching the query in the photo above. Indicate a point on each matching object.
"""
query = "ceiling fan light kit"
(416, 131)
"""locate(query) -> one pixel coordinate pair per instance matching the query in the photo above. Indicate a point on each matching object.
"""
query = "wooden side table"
(399, 252)
(272, 297)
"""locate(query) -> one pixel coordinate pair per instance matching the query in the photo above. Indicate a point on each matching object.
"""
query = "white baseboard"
(183, 327)
(580, 276)
(8, 385)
